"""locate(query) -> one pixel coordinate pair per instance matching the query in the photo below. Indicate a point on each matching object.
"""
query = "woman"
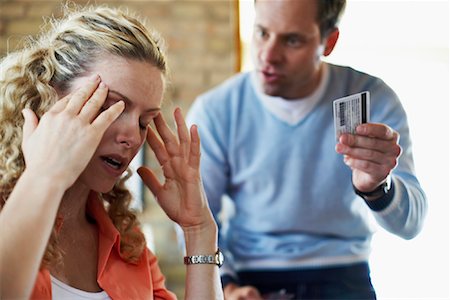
(87, 91)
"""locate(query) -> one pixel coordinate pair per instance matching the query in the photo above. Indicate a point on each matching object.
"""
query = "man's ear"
(331, 42)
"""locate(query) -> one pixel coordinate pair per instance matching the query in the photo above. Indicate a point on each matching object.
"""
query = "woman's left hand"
(181, 195)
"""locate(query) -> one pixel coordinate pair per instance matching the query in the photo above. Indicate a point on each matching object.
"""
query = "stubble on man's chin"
(268, 89)
(273, 92)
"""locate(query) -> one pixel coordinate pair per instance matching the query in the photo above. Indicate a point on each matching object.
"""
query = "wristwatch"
(379, 192)
(214, 259)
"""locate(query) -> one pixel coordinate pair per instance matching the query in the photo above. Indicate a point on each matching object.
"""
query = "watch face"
(219, 258)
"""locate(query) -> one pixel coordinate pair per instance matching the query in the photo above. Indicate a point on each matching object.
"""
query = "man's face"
(287, 47)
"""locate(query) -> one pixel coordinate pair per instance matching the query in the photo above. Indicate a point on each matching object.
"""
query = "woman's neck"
(73, 204)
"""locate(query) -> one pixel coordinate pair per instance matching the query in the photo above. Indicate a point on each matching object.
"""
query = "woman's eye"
(143, 124)
(145, 120)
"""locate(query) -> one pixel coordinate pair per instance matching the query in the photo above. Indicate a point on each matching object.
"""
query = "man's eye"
(260, 33)
(293, 42)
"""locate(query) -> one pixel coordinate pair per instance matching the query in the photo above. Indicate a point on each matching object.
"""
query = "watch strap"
(383, 202)
(386, 196)
(214, 259)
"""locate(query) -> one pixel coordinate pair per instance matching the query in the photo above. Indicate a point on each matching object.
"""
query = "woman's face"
(140, 85)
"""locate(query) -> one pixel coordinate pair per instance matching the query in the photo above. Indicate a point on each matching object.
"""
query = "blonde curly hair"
(30, 77)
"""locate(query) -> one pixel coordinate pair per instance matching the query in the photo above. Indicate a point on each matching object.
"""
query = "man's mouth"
(271, 76)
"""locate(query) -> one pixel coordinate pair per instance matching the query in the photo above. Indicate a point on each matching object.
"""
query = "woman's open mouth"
(114, 163)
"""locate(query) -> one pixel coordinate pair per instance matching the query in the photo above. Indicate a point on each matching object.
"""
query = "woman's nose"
(129, 134)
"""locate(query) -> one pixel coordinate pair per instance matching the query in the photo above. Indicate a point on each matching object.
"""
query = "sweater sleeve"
(214, 165)
(405, 214)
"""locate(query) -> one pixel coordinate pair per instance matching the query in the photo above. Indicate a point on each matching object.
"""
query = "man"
(304, 203)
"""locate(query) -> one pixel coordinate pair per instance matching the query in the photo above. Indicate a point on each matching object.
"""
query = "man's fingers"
(250, 292)
(380, 131)
(348, 142)
(375, 170)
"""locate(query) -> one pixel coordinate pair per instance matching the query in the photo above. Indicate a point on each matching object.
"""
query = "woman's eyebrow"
(129, 102)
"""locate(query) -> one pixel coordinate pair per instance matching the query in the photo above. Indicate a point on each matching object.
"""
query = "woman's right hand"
(63, 141)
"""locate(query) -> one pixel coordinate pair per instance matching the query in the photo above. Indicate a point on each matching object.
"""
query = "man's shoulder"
(346, 81)
(222, 101)
(347, 71)
(354, 80)
(230, 88)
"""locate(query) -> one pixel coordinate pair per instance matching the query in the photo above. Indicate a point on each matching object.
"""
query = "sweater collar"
(292, 111)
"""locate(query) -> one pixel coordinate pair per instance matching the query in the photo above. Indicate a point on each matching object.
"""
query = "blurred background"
(404, 42)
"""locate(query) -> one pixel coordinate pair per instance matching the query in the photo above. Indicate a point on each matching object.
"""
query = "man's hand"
(371, 154)
(234, 292)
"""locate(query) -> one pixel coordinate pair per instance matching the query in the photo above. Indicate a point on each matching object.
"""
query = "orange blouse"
(121, 280)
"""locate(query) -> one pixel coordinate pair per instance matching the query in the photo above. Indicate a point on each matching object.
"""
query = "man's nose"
(271, 52)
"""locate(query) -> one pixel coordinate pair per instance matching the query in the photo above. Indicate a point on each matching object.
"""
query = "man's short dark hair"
(329, 14)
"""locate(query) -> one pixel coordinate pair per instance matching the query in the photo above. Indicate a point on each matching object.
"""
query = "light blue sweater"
(293, 197)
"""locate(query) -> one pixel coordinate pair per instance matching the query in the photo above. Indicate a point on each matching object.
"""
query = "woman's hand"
(63, 141)
(56, 149)
(181, 195)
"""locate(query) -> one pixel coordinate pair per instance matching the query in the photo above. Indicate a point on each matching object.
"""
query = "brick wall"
(202, 51)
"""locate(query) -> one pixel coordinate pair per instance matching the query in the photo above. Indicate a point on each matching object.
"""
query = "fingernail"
(350, 140)
(121, 103)
(102, 85)
(361, 129)
(346, 160)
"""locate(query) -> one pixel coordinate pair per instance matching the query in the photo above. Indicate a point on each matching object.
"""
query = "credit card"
(351, 111)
